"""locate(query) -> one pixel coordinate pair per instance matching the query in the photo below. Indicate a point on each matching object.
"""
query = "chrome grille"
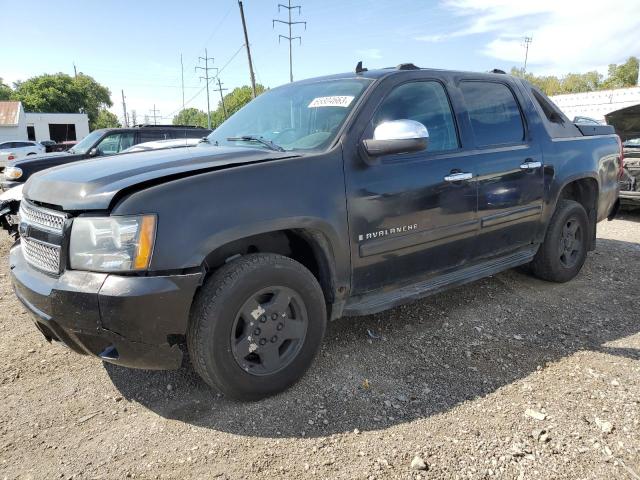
(41, 255)
(41, 232)
(42, 217)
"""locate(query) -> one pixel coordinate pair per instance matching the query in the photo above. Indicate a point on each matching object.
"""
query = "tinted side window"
(115, 143)
(153, 135)
(494, 113)
(427, 103)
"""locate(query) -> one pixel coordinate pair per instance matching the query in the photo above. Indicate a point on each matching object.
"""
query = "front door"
(411, 215)
(509, 168)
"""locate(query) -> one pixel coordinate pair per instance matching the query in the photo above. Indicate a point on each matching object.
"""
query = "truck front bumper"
(133, 321)
(630, 198)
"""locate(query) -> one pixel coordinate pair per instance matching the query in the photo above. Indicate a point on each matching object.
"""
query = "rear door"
(509, 167)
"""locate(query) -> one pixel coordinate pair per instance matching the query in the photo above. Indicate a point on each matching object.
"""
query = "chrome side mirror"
(397, 136)
(94, 152)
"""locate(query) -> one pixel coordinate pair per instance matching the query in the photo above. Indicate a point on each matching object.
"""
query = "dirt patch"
(509, 377)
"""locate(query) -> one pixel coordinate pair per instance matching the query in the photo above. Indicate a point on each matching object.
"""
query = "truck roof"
(402, 69)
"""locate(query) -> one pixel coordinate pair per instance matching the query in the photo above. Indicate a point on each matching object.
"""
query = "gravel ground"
(509, 377)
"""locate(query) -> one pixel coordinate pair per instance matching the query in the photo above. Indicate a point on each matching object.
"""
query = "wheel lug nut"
(280, 326)
(263, 341)
(257, 331)
(274, 316)
(274, 339)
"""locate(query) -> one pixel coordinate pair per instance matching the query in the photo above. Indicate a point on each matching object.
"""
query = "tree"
(106, 119)
(233, 102)
(61, 93)
(624, 75)
(191, 116)
(95, 97)
(5, 91)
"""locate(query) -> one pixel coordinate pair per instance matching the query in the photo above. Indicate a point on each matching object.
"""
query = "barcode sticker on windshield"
(333, 101)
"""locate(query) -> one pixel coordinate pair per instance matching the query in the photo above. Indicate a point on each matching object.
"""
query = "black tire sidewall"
(547, 264)
(220, 314)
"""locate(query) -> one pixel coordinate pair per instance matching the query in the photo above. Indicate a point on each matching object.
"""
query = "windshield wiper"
(254, 138)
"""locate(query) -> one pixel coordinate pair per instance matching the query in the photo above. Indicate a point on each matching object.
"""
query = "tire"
(256, 326)
(564, 250)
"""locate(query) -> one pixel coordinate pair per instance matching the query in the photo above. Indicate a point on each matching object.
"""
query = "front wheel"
(256, 326)
(564, 249)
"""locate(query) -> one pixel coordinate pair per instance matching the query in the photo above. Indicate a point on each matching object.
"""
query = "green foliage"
(106, 119)
(95, 97)
(5, 91)
(61, 93)
(191, 116)
(620, 76)
(625, 75)
(233, 102)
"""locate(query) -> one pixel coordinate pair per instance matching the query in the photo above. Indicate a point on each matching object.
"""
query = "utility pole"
(134, 117)
(220, 89)
(124, 109)
(155, 116)
(246, 44)
(527, 41)
(182, 75)
(206, 69)
(289, 7)
(75, 70)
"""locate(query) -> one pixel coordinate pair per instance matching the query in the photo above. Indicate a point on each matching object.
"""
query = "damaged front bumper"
(134, 321)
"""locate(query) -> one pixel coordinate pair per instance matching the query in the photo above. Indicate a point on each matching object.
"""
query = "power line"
(289, 23)
(246, 44)
(124, 109)
(220, 89)
(206, 69)
(155, 116)
(527, 41)
(182, 75)
(215, 29)
(202, 88)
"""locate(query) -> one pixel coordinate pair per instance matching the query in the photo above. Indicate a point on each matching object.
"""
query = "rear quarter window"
(493, 112)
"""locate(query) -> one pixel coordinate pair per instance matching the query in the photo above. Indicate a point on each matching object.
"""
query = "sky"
(136, 46)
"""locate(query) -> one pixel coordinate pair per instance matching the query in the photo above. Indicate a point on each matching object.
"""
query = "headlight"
(112, 244)
(12, 173)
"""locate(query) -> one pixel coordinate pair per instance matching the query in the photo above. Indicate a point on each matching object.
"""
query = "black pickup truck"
(336, 196)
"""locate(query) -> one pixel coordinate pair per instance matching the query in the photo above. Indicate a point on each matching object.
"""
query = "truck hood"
(93, 184)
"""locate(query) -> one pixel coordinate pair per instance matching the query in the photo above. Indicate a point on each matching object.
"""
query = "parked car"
(15, 150)
(336, 196)
(64, 146)
(162, 144)
(48, 144)
(99, 143)
(630, 181)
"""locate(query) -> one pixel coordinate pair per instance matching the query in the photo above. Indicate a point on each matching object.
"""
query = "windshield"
(298, 116)
(86, 143)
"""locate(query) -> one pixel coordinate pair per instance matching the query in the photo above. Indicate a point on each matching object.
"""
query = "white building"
(16, 124)
(597, 104)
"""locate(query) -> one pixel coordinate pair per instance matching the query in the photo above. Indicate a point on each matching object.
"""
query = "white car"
(15, 150)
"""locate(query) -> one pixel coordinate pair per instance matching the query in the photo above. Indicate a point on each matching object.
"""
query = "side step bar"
(379, 301)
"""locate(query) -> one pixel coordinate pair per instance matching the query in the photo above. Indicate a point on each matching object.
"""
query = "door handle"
(456, 177)
(530, 165)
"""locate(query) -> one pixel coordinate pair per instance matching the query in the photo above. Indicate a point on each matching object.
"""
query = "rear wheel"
(256, 325)
(564, 250)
